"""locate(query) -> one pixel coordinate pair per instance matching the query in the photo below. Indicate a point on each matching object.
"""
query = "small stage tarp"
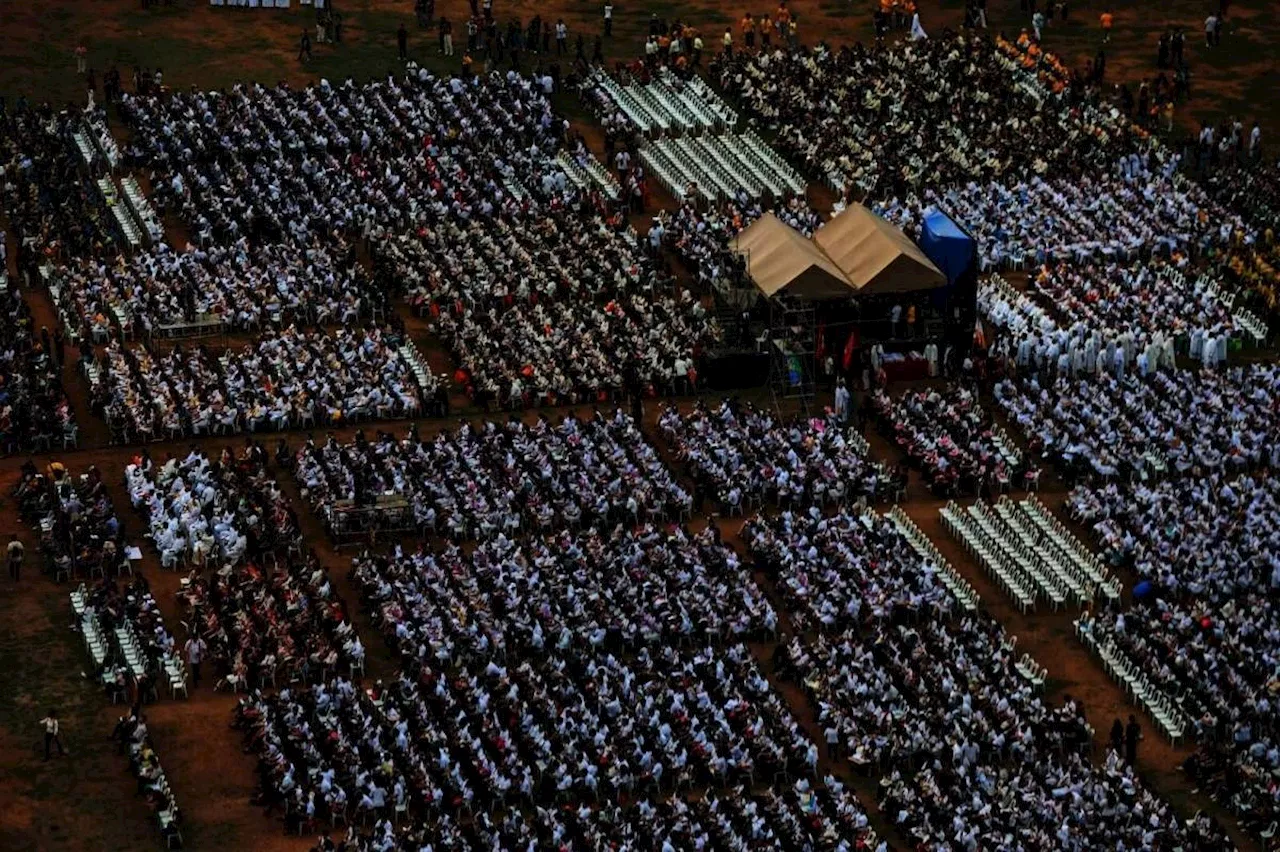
(946, 244)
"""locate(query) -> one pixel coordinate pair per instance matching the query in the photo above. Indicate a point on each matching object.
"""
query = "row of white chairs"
(142, 208)
(103, 142)
(427, 380)
(632, 107)
(774, 161)
(1249, 322)
(1056, 569)
(1155, 702)
(772, 172)
(670, 175)
(126, 639)
(684, 161)
(1085, 560)
(958, 586)
(83, 145)
(698, 91)
(90, 630)
(1012, 575)
(131, 229)
(1007, 447)
(592, 174)
(167, 814)
(1031, 671)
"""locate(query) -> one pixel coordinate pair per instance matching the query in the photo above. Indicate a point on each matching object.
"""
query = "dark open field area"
(198, 45)
(87, 800)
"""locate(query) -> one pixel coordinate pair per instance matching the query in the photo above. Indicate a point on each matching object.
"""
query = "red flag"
(850, 345)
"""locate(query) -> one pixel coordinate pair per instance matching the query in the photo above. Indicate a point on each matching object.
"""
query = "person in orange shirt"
(766, 31)
(748, 31)
(1107, 19)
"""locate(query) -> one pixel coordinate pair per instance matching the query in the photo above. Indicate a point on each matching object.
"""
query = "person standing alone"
(195, 649)
(17, 552)
(51, 731)
(402, 42)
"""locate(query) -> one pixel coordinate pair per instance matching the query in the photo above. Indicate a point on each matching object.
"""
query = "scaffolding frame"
(793, 367)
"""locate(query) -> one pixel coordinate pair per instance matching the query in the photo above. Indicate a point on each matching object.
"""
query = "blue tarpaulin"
(943, 242)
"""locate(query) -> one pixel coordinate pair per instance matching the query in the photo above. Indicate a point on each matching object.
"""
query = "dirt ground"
(86, 800)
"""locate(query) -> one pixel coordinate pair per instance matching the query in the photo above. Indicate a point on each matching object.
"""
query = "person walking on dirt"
(195, 649)
(304, 48)
(402, 42)
(1132, 733)
(17, 552)
(446, 36)
(608, 20)
(51, 731)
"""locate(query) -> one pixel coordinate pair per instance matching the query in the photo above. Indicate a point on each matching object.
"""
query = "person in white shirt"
(842, 402)
(51, 733)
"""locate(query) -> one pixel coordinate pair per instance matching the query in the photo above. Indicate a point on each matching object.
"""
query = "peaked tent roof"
(781, 258)
(875, 256)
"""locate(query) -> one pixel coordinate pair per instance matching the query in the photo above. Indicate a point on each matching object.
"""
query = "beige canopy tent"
(875, 256)
(781, 258)
(856, 252)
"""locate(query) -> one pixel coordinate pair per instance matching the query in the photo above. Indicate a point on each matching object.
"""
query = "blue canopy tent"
(955, 252)
(946, 244)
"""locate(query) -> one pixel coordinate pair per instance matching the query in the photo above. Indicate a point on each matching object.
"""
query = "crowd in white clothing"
(564, 307)
(1105, 217)
(1207, 634)
(836, 572)
(1146, 298)
(266, 613)
(394, 152)
(742, 455)
(949, 436)
(1108, 318)
(242, 285)
(286, 379)
(1032, 339)
(477, 482)
(619, 590)
(970, 755)
(937, 112)
(1128, 426)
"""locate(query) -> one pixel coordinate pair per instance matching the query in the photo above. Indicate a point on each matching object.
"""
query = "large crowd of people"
(1127, 426)
(1105, 217)
(81, 534)
(1205, 633)
(496, 478)
(941, 112)
(242, 286)
(540, 292)
(836, 572)
(34, 410)
(264, 607)
(950, 437)
(568, 307)
(741, 456)
(285, 379)
(571, 657)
